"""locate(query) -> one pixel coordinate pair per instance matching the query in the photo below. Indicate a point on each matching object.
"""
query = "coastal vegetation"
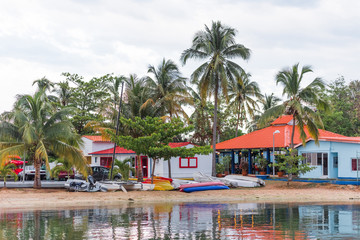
(219, 101)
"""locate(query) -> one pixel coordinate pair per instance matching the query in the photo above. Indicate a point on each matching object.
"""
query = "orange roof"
(97, 138)
(263, 138)
(178, 144)
(282, 120)
(118, 150)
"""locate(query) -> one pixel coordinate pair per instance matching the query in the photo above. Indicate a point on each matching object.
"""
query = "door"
(144, 163)
(325, 164)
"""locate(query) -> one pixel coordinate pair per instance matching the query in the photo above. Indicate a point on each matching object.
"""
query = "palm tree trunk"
(5, 181)
(213, 172)
(37, 180)
(153, 171)
(292, 146)
(169, 166)
(237, 122)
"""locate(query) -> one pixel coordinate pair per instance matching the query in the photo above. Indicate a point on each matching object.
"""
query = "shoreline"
(273, 192)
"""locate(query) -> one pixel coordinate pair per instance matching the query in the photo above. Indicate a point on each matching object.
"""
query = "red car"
(64, 175)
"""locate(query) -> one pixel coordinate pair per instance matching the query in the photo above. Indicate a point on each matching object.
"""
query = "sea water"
(186, 221)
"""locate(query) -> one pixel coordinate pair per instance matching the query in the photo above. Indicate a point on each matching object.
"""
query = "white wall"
(204, 165)
(95, 159)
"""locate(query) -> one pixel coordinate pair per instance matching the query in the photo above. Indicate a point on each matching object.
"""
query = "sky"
(92, 38)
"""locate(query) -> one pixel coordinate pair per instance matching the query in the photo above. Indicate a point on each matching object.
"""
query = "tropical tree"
(168, 90)
(34, 127)
(44, 84)
(217, 46)
(113, 86)
(63, 92)
(301, 103)
(62, 166)
(241, 94)
(124, 168)
(7, 170)
(136, 94)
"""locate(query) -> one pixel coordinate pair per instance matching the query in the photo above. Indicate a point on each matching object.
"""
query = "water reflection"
(186, 221)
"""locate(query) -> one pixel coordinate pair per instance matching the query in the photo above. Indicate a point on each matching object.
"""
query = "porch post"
(250, 161)
(268, 158)
(232, 162)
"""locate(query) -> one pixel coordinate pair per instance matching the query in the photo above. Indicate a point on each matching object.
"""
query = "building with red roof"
(99, 152)
(278, 135)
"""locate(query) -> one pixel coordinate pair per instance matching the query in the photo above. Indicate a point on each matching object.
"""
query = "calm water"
(186, 221)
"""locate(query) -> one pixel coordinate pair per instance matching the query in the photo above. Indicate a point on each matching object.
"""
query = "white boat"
(230, 180)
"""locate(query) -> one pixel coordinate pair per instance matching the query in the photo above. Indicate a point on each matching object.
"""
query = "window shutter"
(353, 164)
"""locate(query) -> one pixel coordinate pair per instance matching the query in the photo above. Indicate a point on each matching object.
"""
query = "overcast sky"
(96, 37)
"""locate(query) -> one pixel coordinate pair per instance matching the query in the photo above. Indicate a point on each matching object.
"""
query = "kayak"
(203, 184)
(204, 188)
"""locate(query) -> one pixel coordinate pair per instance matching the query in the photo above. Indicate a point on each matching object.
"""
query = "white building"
(100, 152)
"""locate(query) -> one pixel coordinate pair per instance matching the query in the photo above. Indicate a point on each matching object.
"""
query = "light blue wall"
(345, 151)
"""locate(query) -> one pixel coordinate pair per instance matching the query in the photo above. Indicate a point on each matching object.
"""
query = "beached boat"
(205, 188)
(230, 180)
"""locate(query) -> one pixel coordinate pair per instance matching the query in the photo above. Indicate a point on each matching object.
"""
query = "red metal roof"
(263, 138)
(178, 144)
(118, 150)
(282, 120)
(97, 138)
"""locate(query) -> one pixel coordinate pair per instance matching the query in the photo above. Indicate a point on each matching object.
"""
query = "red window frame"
(353, 164)
(188, 162)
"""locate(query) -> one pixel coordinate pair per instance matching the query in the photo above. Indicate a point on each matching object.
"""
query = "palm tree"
(168, 90)
(216, 45)
(241, 93)
(136, 94)
(269, 101)
(7, 170)
(113, 85)
(64, 166)
(300, 102)
(35, 128)
(44, 84)
(124, 168)
(63, 93)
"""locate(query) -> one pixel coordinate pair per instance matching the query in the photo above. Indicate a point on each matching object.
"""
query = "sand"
(274, 191)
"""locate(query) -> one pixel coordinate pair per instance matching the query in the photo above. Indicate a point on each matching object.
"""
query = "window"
(189, 162)
(315, 159)
(336, 160)
(353, 164)
(319, 159)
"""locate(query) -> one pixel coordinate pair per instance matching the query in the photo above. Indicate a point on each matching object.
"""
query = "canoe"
(203, 184)
(205, 188)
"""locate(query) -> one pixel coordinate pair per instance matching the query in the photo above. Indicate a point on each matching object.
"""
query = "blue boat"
(205, 188)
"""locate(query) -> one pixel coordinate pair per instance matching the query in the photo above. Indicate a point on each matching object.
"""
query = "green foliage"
(216, 46)
(36, 127)
(226, 161)
(124, 168)
(151, 136)
(292, 164)
(63, 166)
(6, 171)
(344, 117)
(262, 163)
(220, 168)
(300, 102)
(244, 165)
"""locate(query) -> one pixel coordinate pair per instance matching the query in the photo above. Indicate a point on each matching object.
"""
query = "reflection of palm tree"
(216, 45)
(299, 102)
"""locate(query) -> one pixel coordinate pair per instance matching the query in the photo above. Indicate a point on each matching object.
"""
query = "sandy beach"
(274, 191)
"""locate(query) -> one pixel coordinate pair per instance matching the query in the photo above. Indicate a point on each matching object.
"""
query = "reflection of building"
(331, 220)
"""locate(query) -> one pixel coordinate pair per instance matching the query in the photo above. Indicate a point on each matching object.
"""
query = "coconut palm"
(62, 166)
(63, 93)
(113, 85)
(168, 90)
(136, 94)
(34, 127)
(217, 46)
(124, 168)
(301, 103)
(44, 84)
(269, 101)
(241, 93)
(7, 170)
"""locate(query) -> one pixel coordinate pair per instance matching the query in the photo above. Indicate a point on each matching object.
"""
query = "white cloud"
(92, 38)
